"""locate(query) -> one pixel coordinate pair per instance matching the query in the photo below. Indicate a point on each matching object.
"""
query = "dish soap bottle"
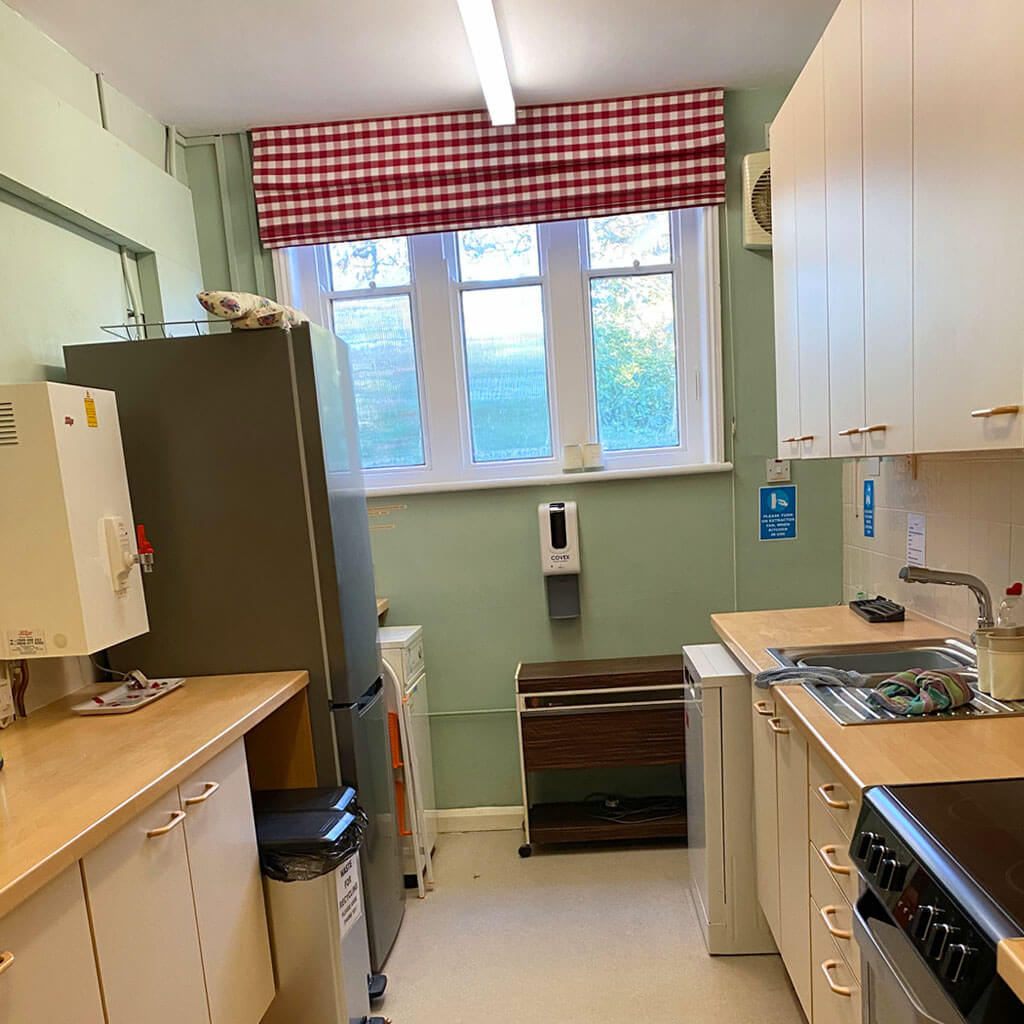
(1010, 607)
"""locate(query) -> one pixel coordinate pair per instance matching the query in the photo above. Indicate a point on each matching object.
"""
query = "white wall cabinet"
(899, 172)
(47, 934)
(177, 910)
(968, 300)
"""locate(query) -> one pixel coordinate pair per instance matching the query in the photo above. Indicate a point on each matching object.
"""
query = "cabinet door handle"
(840, 990)
(804, 437)
(761, 707)
(775, 724)
(209, 789)
(6, 961)
(823, 792)
(873, 429)
(996, 410)
(177, 817)
(789, 440)
(826, 855)
(827, 913)
(849, 431)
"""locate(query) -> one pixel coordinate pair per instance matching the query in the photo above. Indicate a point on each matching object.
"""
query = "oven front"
(897, 987)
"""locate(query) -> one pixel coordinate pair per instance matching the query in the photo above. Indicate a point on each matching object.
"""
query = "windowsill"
(585, 477)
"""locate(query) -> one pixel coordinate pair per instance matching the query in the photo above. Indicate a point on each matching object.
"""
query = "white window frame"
(565, 288)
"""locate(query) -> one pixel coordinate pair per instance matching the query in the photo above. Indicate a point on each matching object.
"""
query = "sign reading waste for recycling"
(778, 513)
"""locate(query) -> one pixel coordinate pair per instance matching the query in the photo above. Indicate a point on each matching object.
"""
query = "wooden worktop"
(749, 634)
(70, 781)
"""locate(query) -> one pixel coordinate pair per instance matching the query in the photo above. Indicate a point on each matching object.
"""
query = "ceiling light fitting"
(485, 43)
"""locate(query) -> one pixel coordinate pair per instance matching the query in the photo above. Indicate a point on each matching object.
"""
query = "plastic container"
(981, 646)
(1006, 663)
(1010, 608)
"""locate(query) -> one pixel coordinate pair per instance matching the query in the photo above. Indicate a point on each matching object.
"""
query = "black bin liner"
(305, 833)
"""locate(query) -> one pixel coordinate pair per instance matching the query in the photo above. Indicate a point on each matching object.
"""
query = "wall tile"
(991, 489)
(990, 553)
(1016, 472)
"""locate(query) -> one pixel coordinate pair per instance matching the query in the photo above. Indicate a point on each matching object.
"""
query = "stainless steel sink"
(848, 705)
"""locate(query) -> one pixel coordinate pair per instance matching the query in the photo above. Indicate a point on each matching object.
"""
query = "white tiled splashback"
(974, 515)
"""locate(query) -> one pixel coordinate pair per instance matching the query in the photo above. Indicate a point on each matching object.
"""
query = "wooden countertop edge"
(1010, 964)
(20, 888)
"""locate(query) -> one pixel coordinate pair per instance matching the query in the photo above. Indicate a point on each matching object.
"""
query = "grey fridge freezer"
(243, 464)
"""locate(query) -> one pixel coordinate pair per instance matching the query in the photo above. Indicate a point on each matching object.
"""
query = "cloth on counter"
(820, 675)
(247, 311)
(918, 692)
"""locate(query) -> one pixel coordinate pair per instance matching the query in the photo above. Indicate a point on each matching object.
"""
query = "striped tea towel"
(918, 692)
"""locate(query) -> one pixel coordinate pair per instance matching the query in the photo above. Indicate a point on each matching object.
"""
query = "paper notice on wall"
(350, 903)
(915, 538)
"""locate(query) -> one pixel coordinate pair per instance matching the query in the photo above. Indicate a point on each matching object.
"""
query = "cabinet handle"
(873, 429)
(761, 707)
(996, 410)
(6, 961)
(823, 792)
(826, 855)
(849, 431)
(209, 789)
(840, 990)
(789, 440)
(804, 437)
(827, 913)
(775, 724)
(177, 817)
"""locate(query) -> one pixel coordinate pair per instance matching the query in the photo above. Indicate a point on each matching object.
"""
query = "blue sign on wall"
(778, 512)
(869, 508)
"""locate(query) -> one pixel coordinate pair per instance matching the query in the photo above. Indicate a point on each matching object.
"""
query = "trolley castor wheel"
(525, 850)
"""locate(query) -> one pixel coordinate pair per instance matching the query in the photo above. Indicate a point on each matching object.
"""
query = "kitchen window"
(478, 355)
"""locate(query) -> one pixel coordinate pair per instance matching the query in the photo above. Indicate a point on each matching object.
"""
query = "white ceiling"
(230, 64)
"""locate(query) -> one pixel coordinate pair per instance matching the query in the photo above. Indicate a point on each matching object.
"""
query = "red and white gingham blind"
(443, 172)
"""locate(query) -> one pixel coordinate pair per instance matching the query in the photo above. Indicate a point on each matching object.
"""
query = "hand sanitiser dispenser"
(560, 557)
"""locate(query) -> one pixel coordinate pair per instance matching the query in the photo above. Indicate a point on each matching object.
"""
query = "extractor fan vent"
(8, 428)
(757, 201)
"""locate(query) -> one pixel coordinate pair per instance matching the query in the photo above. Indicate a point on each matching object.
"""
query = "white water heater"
(70, 582)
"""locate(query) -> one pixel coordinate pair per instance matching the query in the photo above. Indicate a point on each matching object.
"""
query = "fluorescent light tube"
(489, 58)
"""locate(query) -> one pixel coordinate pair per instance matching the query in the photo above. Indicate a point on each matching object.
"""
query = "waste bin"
(309, 852)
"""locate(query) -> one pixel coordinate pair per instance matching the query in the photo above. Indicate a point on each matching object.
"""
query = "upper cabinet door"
(968, 153)
(845, 230)
(888, 142)
(787, 342)
(808, 112)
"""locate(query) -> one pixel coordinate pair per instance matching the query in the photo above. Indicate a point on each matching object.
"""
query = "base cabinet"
(47, 934)
(178, 918)
(766, 812)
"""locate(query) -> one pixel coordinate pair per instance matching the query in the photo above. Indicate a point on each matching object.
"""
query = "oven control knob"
(921, 922)
(864, 843)
(939, 939)
(875, 857)
(891, 874)
(952, 966)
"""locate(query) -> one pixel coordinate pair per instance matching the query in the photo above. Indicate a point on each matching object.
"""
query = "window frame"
(564, 280)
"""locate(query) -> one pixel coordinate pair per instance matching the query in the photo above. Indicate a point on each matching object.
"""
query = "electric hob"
(942, 882)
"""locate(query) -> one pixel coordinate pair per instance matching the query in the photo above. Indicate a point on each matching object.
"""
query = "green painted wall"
(465, 565)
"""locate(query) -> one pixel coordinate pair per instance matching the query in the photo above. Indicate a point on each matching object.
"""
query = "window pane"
(629, 240)
(380, 263)
(507, 370)
(498, 254)
(378, 332)
(635, 361)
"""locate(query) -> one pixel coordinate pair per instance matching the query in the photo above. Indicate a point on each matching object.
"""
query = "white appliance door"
(696, 835)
